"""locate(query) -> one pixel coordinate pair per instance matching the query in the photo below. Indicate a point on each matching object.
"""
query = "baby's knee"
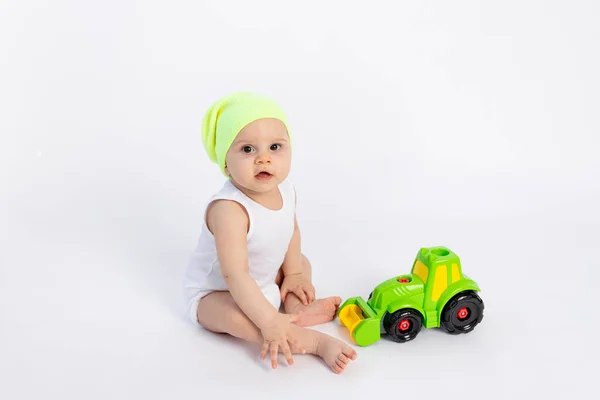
(218, 313)
(205, 314)
(201, 317)
(306, 263)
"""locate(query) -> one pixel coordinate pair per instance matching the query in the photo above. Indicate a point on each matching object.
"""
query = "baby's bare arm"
(292, 263)
(229, 222)
(295, 278)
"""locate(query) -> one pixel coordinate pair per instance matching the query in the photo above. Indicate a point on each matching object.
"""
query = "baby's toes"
(331, 303)
(349, 352)
(343, 359)
(337, 369)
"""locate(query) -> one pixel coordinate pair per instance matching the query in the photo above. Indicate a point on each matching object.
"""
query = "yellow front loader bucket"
(360, 319)
(351, 316)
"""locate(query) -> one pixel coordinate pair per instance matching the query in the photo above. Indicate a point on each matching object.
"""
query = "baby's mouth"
(263, 175)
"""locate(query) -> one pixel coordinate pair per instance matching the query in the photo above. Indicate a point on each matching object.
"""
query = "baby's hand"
(277, 333)
(300, 286)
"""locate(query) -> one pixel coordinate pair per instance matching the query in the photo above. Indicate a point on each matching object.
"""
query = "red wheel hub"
(463, 313)
(404, 325)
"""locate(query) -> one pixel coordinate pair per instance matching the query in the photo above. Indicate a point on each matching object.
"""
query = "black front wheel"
(403, 325)
(462, 313)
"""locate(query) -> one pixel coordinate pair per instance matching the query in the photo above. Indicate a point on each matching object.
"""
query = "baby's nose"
(263, 158)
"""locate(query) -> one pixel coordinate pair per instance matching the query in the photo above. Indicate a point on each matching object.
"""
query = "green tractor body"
(435, 294)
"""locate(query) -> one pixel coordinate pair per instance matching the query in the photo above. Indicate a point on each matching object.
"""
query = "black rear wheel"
(403, 325)
(462, 313)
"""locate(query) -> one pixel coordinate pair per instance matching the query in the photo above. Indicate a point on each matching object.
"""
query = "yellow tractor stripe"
(441, 282)
(455, 276)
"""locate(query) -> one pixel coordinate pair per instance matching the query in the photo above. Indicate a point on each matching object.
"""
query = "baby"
(248, 260)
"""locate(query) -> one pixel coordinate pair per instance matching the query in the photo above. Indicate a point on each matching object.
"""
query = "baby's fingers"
(274, 348)
(310, 294)
(263, 351)
(284, 293)
(287, 352)
(301, 295)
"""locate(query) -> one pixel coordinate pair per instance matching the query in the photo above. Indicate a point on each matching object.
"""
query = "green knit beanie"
(229, 115)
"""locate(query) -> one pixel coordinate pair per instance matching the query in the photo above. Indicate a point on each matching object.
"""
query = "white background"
(467, 124)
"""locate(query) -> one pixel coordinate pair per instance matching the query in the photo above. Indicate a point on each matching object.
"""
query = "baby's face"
(260, 157)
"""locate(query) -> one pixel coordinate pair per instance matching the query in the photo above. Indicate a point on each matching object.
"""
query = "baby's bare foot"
(335, 353)
(318, 312)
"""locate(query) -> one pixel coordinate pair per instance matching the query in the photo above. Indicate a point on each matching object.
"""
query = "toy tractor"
(435, 294)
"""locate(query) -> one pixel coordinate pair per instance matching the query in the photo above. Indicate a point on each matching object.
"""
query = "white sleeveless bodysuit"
(268, 238)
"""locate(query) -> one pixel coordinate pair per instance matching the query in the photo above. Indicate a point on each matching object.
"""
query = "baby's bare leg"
(318, 312)
(219, 313)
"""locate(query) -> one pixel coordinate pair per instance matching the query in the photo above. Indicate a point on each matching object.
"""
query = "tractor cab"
(434, 269)
(439, 268)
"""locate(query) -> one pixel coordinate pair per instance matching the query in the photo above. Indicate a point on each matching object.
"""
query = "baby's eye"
(247, 149)
(275, 147)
